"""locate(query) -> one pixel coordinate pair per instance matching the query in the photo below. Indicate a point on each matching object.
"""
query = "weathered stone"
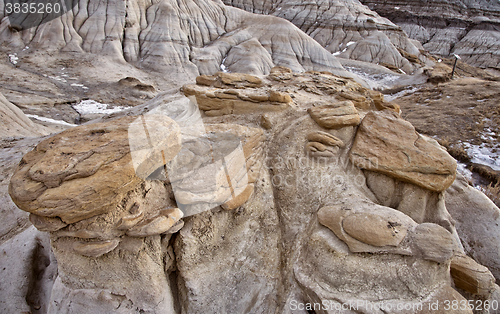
(359, 101)
(325, 138)
(478, 221)
(95, 249)
(346, 29)
(279, 97)
(335, 116)
(434, 242)
(158, 225)
(128, 222)
(472, 277)
(449, 27)
(386, 143)
(46, 223)
(61, 175)
(439, 73)
(374, 230)
(16, 123)
(352, 248)
(207, 80)
(224, 101)
(390, 225)
(240, 79)
(265, 122)
(317, 149)
(381, 104)
(240, 199)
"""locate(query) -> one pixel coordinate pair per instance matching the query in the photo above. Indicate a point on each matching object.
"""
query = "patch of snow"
(13, 58)
(92, 107)
(483, 155)
(223, 67)
(379, 80)
(439, 60)
(462, 169)
(397, 8)
(50, 120)
(350, 43)
(57, 78)
(79, 85)
(402, 93)
(336, 53)
(481, 100)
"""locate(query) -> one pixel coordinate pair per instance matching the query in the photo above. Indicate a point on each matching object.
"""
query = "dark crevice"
(173, 276)
(37, 296)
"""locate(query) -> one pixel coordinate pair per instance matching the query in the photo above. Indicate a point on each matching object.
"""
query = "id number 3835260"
(33, 8)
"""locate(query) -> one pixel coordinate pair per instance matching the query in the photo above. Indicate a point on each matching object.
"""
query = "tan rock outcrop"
(387, 144)
(335, 116)
(222, 99)
(374, 229)
(325, 138)
(472, 277)
(286, 223)
(377, 229)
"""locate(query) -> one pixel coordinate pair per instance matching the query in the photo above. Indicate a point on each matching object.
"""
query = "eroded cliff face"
(469, 28)
(296, 188)
(185, 38)
(347, 29)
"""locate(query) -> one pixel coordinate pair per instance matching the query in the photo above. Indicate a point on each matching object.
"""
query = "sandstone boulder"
(472, 277)
(387, 144)
(477, 221)
(57, 179)
(225, 95)
(335, 116)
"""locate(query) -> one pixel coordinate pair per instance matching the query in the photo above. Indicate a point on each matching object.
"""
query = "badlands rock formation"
(347, 29)
(15, 123)
(469, 28)
(181, 39)
(277, 202)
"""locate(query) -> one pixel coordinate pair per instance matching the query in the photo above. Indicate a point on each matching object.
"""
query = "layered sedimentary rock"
(14, 123)
(387, 144)
(283, 217)
(467, 28)
(347, 29)
(178, 38)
